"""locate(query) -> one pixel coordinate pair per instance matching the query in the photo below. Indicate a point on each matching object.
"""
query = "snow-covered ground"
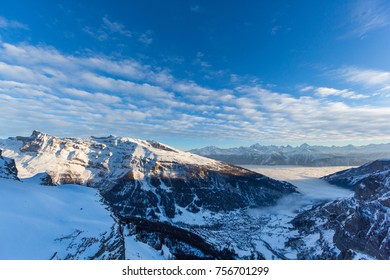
(137, 250)
(41, 222)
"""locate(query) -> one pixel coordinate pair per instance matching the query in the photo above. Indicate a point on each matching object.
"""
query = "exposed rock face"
(354, 227)
(144, 178)
(107, 246)
(195, 188)
(351, 178)
(304, 155)
(181, 243)
(8, 168)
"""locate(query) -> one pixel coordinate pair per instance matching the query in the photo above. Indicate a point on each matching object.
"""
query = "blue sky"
(197, 73)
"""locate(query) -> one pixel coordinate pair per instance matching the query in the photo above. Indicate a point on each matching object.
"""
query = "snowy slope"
(64, 222)
(353, 177)
(304, 155)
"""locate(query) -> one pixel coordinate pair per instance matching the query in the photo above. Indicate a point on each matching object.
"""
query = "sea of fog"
(312, 189)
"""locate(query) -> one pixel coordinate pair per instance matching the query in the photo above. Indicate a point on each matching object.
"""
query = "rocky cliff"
(8, 168)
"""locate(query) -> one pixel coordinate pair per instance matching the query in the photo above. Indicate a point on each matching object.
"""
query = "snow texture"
(41, 222)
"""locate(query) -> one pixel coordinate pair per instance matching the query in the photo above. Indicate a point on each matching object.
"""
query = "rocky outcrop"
(80, 245)
(356, 227)
(8, 168)
(181, 243)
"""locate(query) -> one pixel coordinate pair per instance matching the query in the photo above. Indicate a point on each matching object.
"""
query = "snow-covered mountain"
(143, 178)
(155, 194)
(304, 155)
(354, 227)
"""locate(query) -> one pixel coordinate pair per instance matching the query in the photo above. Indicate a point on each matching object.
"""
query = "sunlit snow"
(41, 222)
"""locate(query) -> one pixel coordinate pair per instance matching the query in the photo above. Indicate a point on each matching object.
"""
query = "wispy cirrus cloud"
(11, 24)
(107, 30)
(146, 38)
(113, 30)
(372, 80)
(367, 77)
(367, 16)
(115, 27)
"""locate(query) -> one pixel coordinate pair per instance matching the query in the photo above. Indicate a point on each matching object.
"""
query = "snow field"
(38, 221)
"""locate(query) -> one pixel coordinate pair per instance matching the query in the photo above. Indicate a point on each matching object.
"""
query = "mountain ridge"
(303, 155)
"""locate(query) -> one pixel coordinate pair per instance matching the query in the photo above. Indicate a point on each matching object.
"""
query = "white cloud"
(98, 96)
(20, 73)
(31, 56)
(307, 88)
(308, 118)
(86, 95)
(326, 92)
(367, 77)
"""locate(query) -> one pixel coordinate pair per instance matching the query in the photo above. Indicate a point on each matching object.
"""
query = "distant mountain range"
(304, 155)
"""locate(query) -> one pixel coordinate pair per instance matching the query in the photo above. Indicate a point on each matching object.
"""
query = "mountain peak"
(34, 142)
(304, 146)
(36, 133)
